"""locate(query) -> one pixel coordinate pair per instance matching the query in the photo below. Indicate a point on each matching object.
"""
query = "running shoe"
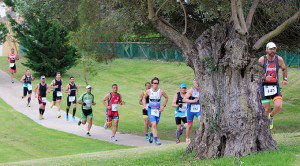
(40, 118)
(28, 105)
(105, 126)
(79, 122)
(73, 117)
(113, 139)
(271, 121)
(157, 143)
(88, 134)
(51, 106)
(146, 138)
(178, 141)
(187, 140)
(12, 81)
(22, 97)
(58, 115)
(151, 138)
(67, 117)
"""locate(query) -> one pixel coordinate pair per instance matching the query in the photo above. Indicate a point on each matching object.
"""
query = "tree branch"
(251, 13)
(185, 17)
(161, 7)
(277, 31)
(241, 17)
(234, 16)
(150, 10)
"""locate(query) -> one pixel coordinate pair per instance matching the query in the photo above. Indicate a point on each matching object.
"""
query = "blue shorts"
(153, 118)
(190, 115)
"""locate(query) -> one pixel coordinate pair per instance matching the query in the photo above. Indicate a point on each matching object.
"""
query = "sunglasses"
(155, 83)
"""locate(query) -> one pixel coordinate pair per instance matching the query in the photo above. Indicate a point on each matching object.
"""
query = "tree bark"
(233, 122)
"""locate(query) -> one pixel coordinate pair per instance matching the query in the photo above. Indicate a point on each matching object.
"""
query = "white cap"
(88, 87)
(271, 45)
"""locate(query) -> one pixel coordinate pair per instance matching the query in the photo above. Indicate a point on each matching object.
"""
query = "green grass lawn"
(175, 155)
(131, 76)
(23, 139)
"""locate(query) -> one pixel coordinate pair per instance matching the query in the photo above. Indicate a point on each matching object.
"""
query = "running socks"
(178, 134)
(155, 139)
(29, 99)
(74, 111)
(40, 110)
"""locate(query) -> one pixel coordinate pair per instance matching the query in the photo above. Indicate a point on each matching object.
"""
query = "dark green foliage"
(4, 31)
(47, 48)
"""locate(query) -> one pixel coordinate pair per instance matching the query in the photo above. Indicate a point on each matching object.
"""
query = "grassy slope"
(175, 155)
(23, 139)
(131, 75)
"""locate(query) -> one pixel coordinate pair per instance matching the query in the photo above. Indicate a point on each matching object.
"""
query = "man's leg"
(146, 125)
(277, 106)
(188, 130)
(266, 106)
(29, 98)
(90, 124)
(114, 131)
(154, 128)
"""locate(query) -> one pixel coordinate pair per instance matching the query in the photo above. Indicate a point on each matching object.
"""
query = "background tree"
(46, 46)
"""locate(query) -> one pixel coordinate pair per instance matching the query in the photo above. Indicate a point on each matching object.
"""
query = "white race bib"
(58, 94)
(195, 107)
(270, 90)
(29, 86)
(183, 108)
(88, 103)
(155, 112)
(114, 107)
(71, 98)
(44, 99)
(11, 64)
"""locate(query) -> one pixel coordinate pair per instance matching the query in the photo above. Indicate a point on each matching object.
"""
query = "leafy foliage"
(4, 31)
(46, 46)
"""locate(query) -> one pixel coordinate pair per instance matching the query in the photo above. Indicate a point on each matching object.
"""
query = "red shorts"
(112, 115)
(13, 69)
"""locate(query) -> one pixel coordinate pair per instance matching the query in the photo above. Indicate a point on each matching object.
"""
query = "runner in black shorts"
(57, 85)
(42, 88)
(27, 87)
(72, 91)
(180, 111)
(147, 123)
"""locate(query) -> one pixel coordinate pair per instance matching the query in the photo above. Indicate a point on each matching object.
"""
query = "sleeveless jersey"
(12, 58)
(113, 102)
(271, 68)
(27, 81)
(42, 90)
(180, 112)
(73, 90)
(195, 95)
(59, 83)
(154, 99)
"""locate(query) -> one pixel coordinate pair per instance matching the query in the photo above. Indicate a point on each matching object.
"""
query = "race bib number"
(195, 108)
(270, 90)
(88, 103)
(183, 108)
(29, 86)
(11, 65)
(155, 112)
(71, 98)
(114, 107)
(58, 94)
(44, 99)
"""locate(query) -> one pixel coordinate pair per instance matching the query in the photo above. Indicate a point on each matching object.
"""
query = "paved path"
(12, 93)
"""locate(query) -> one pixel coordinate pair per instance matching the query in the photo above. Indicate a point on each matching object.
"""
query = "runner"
(113, 100)
(87, 100)
(12, 57)
(270, 87)
(57, 85)
(43, 88)
(154, 109)
(147, 123)
(27, 87)
(180, 111)
(193, 107)
(72, 91)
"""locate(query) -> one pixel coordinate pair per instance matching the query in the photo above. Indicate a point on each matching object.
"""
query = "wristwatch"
(285, 79)
(165, 105)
